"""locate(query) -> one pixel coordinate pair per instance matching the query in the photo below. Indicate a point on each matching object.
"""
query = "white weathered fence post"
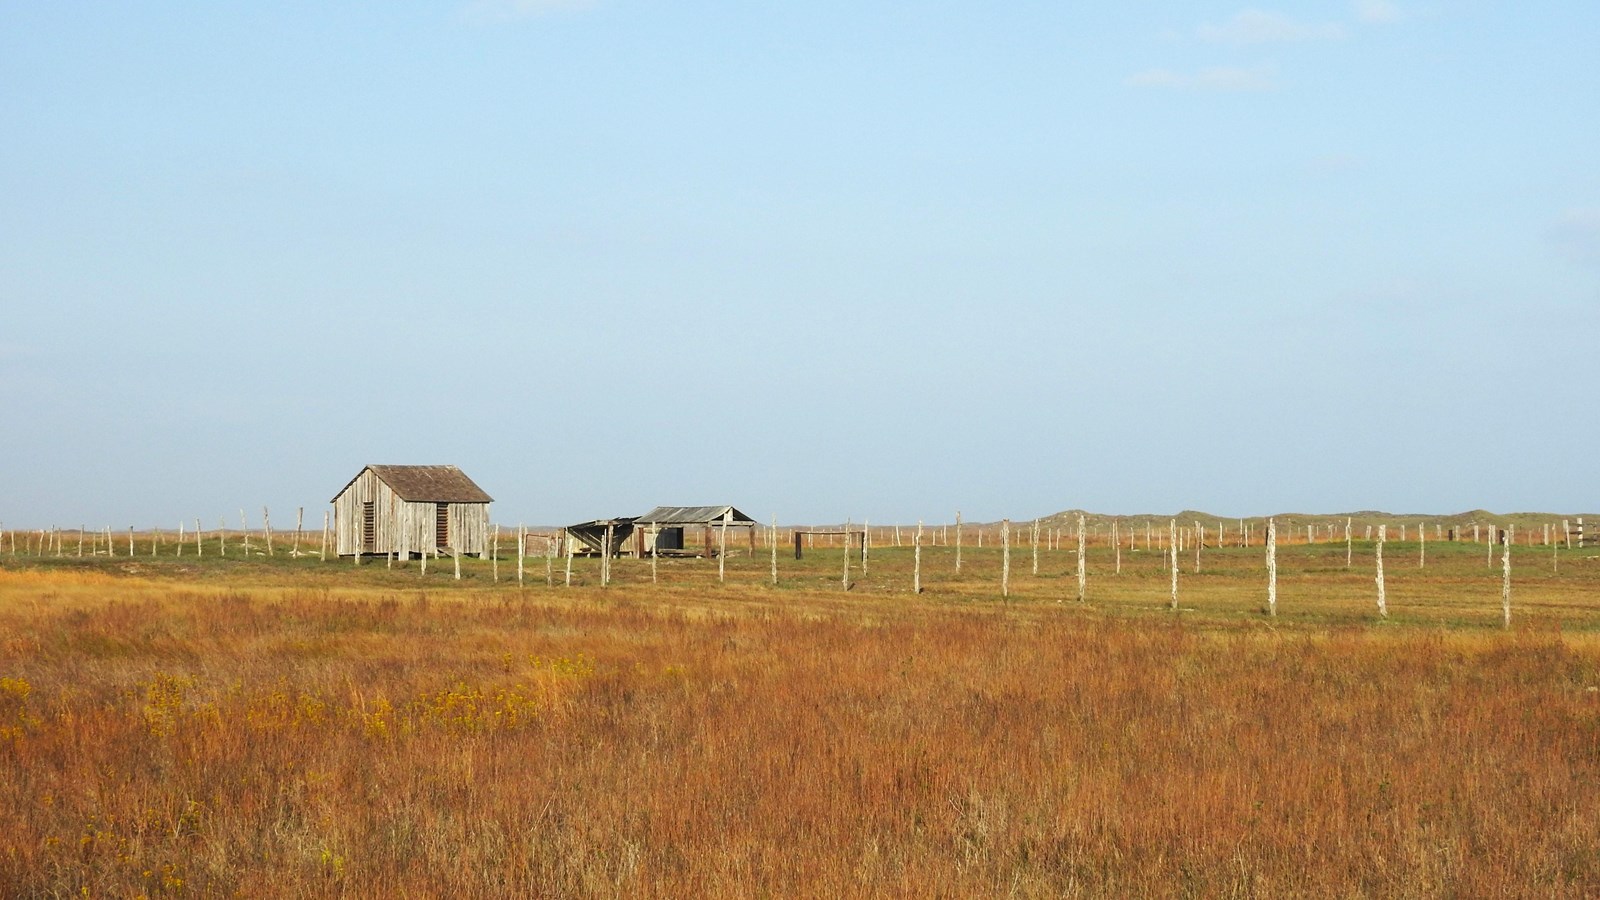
(916, 566)
(494, 555)
(1172, 533)
(1505, 584)
(266, 528)
(1348, 546)
(1036, 546)
(522, 550)
(722, 546)
(1272, 567)
(774, 551)
(1422, 545)
(566, 542)
(1082, 571)
(1383, 606)
(846, 581)
(958, 540)
(1005, 558)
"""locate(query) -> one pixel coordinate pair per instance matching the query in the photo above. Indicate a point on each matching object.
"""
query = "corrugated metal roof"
(690, 515)
(429, 484)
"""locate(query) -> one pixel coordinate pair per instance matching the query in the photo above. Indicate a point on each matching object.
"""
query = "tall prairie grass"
(273, 734)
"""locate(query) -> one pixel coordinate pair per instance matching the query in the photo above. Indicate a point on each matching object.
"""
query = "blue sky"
(821, 260)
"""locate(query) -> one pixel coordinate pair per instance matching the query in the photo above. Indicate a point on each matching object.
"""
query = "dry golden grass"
(278, 728)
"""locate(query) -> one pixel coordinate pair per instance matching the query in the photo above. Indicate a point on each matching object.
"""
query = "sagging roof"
(427, 484)
(690, 515)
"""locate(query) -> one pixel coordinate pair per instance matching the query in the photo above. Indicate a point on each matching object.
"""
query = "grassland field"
(181, 726)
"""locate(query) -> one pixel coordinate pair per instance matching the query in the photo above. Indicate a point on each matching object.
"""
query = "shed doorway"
(441, 524)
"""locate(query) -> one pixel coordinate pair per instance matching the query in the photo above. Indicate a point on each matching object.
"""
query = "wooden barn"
(411, 510)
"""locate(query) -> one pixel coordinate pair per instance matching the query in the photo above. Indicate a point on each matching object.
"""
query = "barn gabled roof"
(427, 484)
(690, 515)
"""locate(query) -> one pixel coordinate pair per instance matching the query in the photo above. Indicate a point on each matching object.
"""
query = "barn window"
(441, 524)
(369, 526)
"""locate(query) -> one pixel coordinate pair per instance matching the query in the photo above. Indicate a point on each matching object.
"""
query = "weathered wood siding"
(400, 526)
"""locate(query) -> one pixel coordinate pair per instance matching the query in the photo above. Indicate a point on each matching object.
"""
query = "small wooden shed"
(661, 530)
(411, 510)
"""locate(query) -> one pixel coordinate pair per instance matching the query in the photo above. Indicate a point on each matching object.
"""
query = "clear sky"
(876, 260)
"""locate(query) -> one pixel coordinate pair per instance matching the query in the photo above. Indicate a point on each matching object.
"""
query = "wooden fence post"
(916, 567)
(958, 540)
(266, 528)
(1005, 558)
(722, 546)
(1082, 571)
(1505, 584)
(1172, 548)
(1272, 567)
(1383, 606)
(774, 551)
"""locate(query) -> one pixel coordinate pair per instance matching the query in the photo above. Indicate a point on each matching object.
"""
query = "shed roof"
(691, 515)
(428, 484)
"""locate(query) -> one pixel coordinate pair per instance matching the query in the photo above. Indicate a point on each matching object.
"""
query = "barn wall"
(469, 527)
(347, 514)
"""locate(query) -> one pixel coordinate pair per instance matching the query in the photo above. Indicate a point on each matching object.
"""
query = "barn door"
(369, 527)
(441, 525)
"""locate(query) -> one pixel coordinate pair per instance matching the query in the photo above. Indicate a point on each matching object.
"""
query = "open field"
(281, 726)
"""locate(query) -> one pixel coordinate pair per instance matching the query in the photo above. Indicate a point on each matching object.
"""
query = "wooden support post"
(323, 554)
(1035, 542)
(798, 542)
(774, 550)
(299, 526)
(958, 540)
(130, 541)
(266, 529)
(1348, 546)
(1422, 546)
(494, 555)
(866, 533)
(522, 551)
